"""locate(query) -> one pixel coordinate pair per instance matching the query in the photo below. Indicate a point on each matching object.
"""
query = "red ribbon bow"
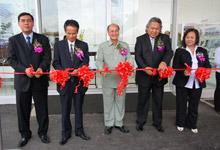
(202, 74)
(60, 76)
(166, 73)
(84, 74)
(124, 71)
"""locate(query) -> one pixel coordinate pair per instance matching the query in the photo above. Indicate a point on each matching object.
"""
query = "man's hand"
(27, 71)
(104, 74)
(74, 73)
(149, 72)
(162, 66)
(39, 73)
(186, 73)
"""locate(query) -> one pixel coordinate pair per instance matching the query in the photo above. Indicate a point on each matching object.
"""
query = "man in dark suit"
(152, 50)
(22, 51)
(66, 55)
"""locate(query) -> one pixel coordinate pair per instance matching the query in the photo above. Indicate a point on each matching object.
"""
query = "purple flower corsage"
(160, 45)
(122, 50)
(200, 56)
(79, 53)
(37, 47)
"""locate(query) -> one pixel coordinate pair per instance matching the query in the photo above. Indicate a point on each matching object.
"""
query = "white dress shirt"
(73, 44)
(192, 77)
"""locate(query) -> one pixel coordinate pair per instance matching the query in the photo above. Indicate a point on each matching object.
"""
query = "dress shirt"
(217, 58)
(30, 35)
(192, 77)
(152, 40)
(73, 45)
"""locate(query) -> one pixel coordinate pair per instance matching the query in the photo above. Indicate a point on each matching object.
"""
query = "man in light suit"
(21, 53)
(110, 53)
(152, 50)
(65, 56)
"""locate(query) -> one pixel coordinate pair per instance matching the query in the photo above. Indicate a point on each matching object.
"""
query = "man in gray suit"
(111, 53)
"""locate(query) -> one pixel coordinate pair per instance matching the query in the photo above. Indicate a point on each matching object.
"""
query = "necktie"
(152, 44)
(28, 42)
(71, 51)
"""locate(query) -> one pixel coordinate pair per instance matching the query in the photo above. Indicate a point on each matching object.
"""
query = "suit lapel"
(148, 44)
(155, 43)
(67, 52)
(23, 43)
(77, 44)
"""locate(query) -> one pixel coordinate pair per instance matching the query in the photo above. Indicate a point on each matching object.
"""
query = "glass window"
(9, 11)
(91, 15)
(204, 16)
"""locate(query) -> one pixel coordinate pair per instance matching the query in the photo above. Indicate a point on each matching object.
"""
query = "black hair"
(24, 14)
(72, 23)
(183, 44)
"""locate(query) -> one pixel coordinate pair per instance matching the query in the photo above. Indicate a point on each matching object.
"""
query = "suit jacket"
(145, 57)
(62, 61)
(183, 56)
(20, 57)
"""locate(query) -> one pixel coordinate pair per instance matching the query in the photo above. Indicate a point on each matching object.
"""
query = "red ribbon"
(166, 73)
(60, 76)
(188, 68)
(84, 74)
(202, 74)
(1, 82)
(124, 71)
(31, 70)
(106, 69)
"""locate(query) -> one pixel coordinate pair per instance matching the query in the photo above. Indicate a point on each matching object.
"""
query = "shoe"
(159, 128)
(139, 127)
(195, 130)
(63, 141)
(122, 129)
(108, 129)
(23, 142)
(45, 138)
(84, 136)
(180, 128)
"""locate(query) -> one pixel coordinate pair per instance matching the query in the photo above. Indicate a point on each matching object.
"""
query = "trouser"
(66, 101)
(217, 92)
(143, 103)
(24, 102)
(114, 107)
(182, 96)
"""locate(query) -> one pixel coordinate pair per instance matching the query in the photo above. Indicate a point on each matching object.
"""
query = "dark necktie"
(28, 42)
(71, 52)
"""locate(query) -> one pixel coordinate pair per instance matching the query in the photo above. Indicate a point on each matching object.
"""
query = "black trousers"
(24, 101)
(66, 102)
(217, 92)
(143, 103)
(184, 117)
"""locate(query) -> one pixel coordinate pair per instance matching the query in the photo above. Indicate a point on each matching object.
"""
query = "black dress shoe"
(23, 142)
(159, 128)
(108, 129)
(122, 129)
(45, 139)
(63, 141)
(139, 127)
(84, 136)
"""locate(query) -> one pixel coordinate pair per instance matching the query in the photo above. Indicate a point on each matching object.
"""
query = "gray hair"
(154, 19)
